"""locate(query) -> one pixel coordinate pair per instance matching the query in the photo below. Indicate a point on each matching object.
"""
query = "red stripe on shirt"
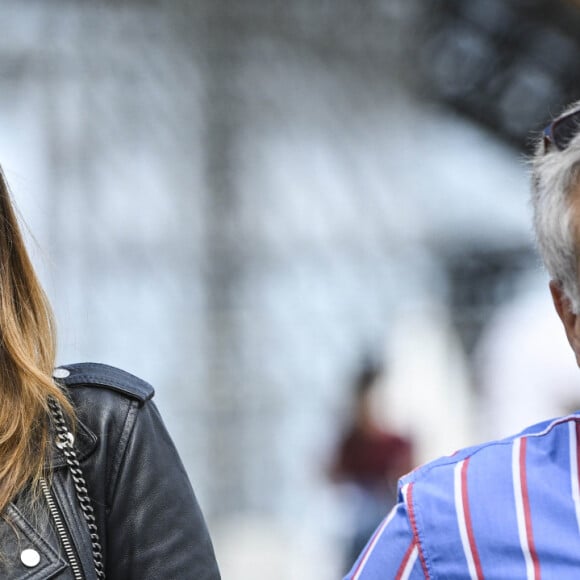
(468, 524)
(413, 521)
(405, 561)
(527, 513)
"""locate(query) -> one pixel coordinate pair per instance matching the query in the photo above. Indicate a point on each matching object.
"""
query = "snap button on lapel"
(30, 558)
(60, 373)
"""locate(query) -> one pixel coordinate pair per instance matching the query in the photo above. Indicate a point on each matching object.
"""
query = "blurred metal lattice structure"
(506, 64)
(176, 252)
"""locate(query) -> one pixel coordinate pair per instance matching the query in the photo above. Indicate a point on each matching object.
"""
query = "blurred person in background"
(507, 508)
(91, 486)
(370, 458)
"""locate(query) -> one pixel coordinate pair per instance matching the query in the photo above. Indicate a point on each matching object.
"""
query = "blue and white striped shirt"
(504, 509)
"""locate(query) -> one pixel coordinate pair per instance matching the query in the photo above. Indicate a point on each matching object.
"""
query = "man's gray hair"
(555, 175)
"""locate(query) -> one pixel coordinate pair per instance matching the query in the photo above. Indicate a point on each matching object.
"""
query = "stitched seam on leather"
(121, 450)
(127, 387)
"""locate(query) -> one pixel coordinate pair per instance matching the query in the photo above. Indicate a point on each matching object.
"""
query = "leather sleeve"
(155, 529)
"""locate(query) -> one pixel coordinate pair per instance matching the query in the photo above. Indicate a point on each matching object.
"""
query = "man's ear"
(570, 320)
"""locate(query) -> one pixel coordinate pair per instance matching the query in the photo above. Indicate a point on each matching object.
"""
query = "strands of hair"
(555, 176)
(27, 353)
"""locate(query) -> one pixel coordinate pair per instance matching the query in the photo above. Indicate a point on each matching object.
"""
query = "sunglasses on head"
(562, 130)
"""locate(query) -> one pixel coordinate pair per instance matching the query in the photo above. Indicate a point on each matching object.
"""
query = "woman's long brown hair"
(27, 354)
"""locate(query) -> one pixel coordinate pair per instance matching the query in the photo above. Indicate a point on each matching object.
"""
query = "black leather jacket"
(149, 523)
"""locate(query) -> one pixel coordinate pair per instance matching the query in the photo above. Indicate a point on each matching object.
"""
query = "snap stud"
(30, 558)
(60, 373)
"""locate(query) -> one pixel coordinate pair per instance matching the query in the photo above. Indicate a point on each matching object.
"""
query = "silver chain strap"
(65, 442)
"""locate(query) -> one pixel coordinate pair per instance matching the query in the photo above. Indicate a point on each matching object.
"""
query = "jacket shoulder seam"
(120, 449)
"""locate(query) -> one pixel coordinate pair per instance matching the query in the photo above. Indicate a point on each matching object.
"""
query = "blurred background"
(245, 202)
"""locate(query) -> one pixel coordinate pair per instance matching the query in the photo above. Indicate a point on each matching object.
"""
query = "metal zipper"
(62, 532)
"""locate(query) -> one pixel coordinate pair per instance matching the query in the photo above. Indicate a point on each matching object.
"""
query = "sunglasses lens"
(565, 129)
